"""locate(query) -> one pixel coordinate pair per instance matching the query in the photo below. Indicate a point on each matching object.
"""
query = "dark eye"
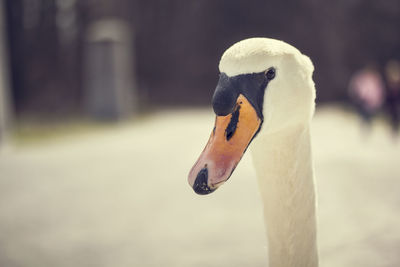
(270, 73)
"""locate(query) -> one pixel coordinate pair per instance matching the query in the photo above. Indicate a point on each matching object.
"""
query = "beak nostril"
(229, 135)
(200, 185)
(231, 128)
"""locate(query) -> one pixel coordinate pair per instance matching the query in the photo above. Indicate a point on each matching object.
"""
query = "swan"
(266, 96)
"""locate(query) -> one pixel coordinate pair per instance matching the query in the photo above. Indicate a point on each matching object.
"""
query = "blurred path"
(119, 197)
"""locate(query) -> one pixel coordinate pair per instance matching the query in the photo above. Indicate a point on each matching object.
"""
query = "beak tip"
(203, 191)
(200, 185)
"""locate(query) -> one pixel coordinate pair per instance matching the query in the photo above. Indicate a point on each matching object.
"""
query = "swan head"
(265, 86)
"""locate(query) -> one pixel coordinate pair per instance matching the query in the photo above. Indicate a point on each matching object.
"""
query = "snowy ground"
(119, 197)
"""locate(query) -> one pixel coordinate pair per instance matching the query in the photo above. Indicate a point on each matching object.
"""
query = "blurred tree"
(5, 105)
(45, 56)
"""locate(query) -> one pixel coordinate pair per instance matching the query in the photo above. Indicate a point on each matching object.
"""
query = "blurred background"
(105, 105)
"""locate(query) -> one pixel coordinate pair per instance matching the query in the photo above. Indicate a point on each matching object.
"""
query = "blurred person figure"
(366, 90)
(392, 75)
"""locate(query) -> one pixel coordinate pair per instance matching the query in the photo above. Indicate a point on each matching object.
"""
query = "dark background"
(177, 45)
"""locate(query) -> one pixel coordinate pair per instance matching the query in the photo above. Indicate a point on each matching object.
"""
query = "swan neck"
(284, 168)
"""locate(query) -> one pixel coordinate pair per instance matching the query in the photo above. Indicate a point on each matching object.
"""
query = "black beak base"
(252, 86)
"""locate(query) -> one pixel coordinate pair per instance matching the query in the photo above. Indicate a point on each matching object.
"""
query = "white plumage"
(282, 151)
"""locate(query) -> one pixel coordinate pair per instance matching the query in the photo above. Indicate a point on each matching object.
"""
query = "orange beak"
(228, 141)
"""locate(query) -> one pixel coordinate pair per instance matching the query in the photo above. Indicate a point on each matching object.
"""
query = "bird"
(265, 100)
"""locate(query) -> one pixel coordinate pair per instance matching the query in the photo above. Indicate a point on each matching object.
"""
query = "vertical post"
(5, 105)
(109, 80)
